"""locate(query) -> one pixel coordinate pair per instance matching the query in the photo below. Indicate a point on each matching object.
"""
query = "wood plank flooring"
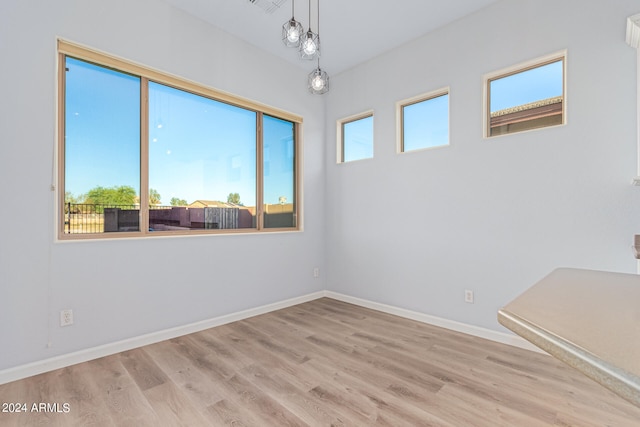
(322, 363)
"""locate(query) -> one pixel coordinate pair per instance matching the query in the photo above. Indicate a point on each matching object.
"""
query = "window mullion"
(297, 164)
(144, 155)
(259, 173)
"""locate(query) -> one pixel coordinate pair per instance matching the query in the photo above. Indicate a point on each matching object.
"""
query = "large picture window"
(142, 153)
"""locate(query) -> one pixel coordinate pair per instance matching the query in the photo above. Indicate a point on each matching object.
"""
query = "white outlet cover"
(66, 317)
(468, 296)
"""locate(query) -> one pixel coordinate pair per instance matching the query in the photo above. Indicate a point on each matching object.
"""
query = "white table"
(589, 320)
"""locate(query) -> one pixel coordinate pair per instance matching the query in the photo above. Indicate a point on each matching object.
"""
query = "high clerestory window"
(525, 97)
(355, 138)
(142, 153)
(423, 121)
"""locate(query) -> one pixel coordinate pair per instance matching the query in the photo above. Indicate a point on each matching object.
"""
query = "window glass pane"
(426, 123)
(527, 100)
(279, 173)
(102, 149)
(357, 139)
(202, 162)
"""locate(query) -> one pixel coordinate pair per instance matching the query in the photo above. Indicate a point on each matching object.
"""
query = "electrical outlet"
(316, 272)
(468, 296)
(66, 317)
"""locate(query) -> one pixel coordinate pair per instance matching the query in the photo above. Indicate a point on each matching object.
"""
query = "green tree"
(154, 197)
(233, 198)
(70, 198)
(117, 195)
(178, 202)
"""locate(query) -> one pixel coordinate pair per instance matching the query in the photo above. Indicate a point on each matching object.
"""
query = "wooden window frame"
(400, 106)
(340, 134)
(69, 49)
(543, 109)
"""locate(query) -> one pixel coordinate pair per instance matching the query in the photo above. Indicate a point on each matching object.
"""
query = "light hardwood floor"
(322, 363)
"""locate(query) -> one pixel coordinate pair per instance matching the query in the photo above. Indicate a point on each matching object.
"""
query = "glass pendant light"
(318, 81)
(292, 30)
(310, 43)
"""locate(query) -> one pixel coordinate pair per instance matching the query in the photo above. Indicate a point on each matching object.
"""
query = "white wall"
(126, 288)
(491, 215)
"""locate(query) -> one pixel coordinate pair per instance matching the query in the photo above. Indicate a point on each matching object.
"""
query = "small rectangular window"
(424, 121)
(526, 97)
(355, 136)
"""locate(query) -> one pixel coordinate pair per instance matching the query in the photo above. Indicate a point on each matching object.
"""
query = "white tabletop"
(588, 319)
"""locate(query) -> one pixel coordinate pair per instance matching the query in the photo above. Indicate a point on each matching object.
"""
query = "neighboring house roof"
(533, 110)
(208, 203)
(213, 204)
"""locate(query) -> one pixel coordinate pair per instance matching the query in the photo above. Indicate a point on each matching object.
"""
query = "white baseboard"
(41, 366)
(64, 360)
(476, 331)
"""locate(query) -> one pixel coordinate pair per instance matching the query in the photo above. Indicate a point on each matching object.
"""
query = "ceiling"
(351, 31)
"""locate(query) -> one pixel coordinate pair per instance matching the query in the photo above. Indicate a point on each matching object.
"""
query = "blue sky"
(523, 88)
(358, 137)
(426, 123)
(198, 148)
(102, 130)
